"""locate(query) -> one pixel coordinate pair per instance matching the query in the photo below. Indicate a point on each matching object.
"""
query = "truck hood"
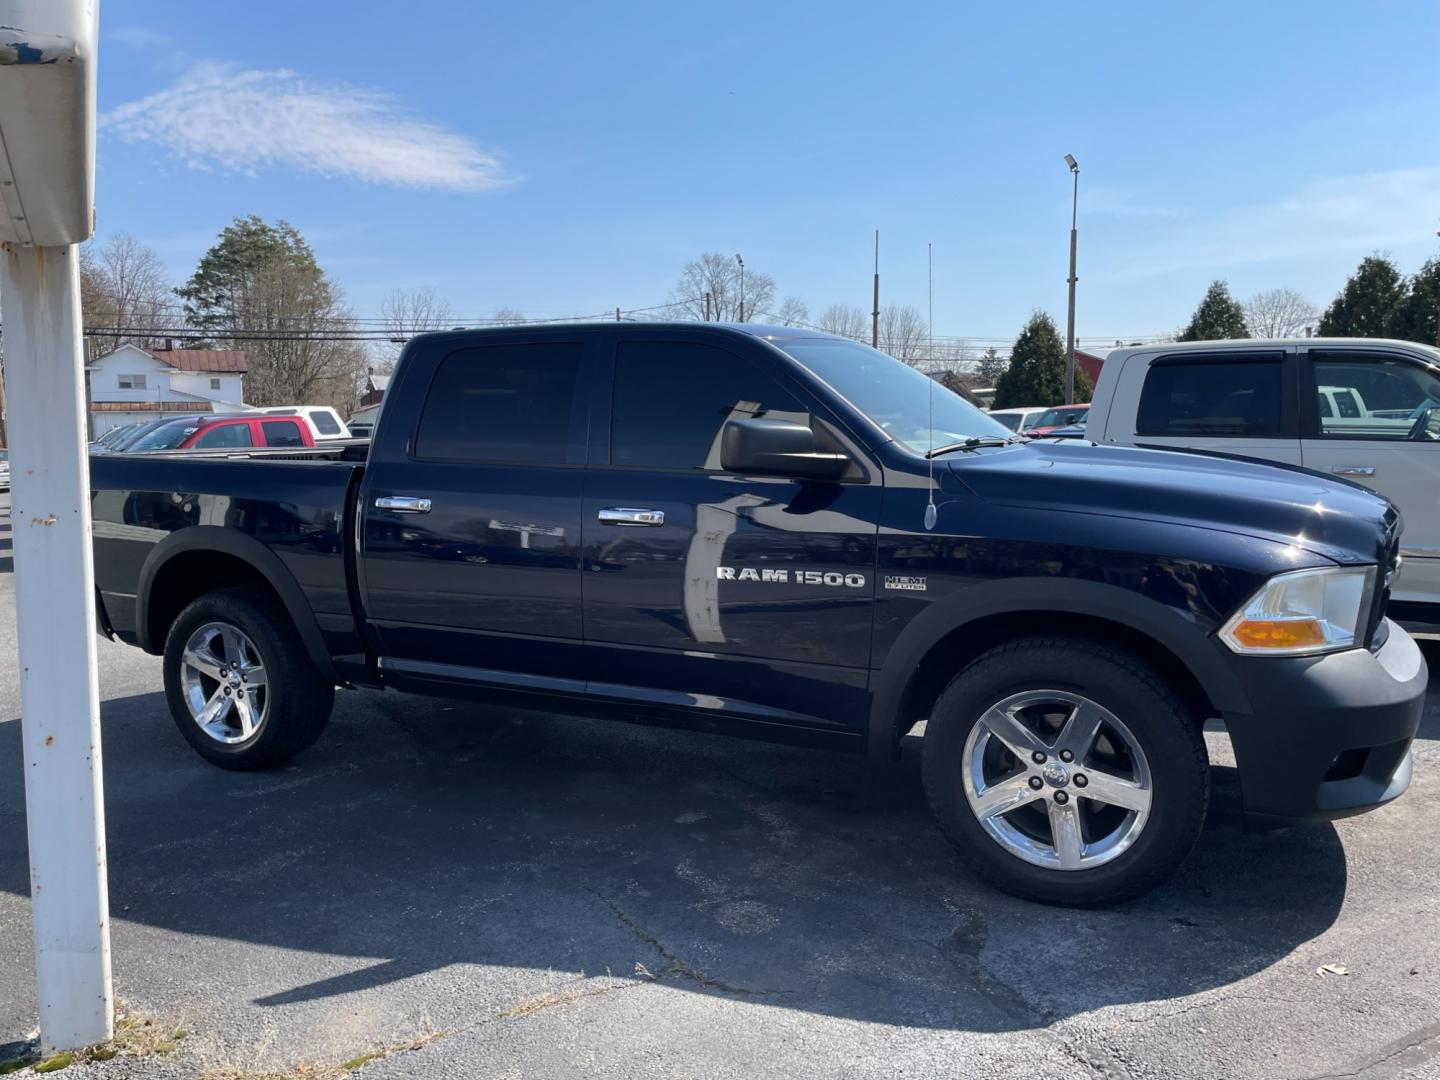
(1332, 518)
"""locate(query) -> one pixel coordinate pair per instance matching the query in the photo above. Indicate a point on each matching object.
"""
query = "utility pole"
(741, 261)
(1070, 319)
(617, 314)
(707, 306)
(875, 308)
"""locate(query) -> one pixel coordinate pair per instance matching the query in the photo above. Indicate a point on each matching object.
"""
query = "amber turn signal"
(1278, 633)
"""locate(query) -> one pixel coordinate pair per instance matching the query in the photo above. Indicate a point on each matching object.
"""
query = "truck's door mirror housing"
(777, 448)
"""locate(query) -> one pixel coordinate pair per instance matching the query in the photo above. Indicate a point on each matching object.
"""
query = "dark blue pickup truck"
(790, 536)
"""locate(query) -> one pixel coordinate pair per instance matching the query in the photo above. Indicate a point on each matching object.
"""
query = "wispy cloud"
(1110, 202)
(221, 116)
(1350, 215)
(138, 37)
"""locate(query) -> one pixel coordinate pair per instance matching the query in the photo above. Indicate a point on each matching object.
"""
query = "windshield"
(897, 397)
(166, 436)
(1061, 417)
(1010, 419)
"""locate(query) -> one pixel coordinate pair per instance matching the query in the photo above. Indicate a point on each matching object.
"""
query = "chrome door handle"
(1353, 470)
(403, 504)
(628, 515)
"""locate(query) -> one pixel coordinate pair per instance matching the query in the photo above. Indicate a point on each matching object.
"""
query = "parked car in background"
(1365, 410)
(235, 432)
(1073, 431)
(788, 535)
(324, 422)
(1058, 417)
(1018, 420)
(133, 433)
(4, 469)
(361, 430)
(107, 441)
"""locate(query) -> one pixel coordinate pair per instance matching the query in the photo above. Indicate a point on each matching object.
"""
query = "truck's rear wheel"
(1067, 772)
(240, 685)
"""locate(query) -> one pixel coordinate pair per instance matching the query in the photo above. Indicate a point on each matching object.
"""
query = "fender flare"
(1187, 641)
(249, 551)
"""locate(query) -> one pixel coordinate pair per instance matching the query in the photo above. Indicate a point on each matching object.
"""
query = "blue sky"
(570, 157)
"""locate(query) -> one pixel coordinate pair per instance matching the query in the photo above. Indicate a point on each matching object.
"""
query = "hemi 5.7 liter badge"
(904, 584)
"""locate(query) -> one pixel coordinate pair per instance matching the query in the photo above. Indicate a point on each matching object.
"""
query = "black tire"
(1168, 733)
(299, 698)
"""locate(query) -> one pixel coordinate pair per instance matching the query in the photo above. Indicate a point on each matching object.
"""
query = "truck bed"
(148, 509)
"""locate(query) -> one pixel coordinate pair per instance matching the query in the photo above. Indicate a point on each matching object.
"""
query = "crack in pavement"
(1415, 1039)
(674, 965)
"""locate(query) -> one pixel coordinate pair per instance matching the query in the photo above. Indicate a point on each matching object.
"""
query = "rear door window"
(283, 433)
(502, 404)
(1216, 397)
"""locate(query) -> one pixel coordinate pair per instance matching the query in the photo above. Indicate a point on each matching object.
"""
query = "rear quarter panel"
(296, 510)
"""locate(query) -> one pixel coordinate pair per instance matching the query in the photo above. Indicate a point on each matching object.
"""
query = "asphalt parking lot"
(532, 895)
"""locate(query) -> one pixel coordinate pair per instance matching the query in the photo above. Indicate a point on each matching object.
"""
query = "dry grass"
(136, 1035)
(307, 1071)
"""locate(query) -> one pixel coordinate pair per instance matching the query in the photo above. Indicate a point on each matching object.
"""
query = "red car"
(1052, 419)
(226, 433)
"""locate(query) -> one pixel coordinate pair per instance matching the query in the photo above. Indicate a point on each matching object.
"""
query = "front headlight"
(1303, 612)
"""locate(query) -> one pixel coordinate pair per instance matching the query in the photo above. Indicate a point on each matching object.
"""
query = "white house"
(131, 383)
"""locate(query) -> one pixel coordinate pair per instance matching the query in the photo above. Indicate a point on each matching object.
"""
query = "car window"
(224, 435)
(1010, 420)
(1376, 397)
(909, 406)
(1203, 398)
(501, 403)
(673, 397)
(283, 433)
(165, 436)
(324, 423)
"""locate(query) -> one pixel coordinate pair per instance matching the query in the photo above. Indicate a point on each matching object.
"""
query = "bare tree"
(405, 313)
(124, 291)
(903, 333)
(793, 312)
(508, 316)
(719, 277)
(845, 320)
(992, 366)
(297, 356)
(1279, 313)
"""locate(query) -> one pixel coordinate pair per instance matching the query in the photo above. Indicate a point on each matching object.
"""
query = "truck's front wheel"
(239, 683)
(1066, 771)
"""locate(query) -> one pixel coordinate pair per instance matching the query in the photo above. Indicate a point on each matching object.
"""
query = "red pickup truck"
(227, 433)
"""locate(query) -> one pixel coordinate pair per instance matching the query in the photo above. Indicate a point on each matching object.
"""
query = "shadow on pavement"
(427, 834)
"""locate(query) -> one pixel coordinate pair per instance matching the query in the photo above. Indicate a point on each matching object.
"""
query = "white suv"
(1361, 408)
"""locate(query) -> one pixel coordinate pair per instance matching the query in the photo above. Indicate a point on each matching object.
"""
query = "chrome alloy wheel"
(1057, 779)
(223, 679)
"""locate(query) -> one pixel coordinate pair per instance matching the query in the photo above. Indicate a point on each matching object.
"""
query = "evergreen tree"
(218, 293)
(259, 289)
(1036, 375)
(1219, 317)
(1415, 318)
(1371, 302)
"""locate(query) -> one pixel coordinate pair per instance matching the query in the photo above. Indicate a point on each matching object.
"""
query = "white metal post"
(54, 606)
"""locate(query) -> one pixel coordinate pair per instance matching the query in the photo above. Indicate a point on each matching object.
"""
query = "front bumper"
(1329, 736)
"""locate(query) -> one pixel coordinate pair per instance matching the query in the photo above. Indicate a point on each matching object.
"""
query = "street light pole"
(1070, 318)
(741, 261)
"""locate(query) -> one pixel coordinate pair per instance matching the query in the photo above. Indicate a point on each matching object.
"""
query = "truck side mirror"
(777, 448)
